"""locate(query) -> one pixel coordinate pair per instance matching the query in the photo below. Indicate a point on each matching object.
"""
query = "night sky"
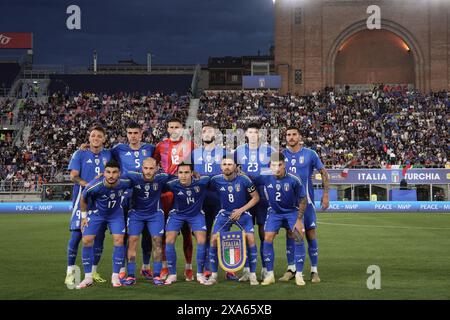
(175, 31)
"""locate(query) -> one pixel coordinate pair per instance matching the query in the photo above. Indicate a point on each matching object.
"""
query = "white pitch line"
(377, 226)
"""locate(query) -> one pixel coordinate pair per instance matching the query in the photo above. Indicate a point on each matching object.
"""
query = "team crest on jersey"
(230, 189)
(147, 187)
(197, 189)
(208, 158)
(112, 196)
(97, 161)
(232, 250)
(155, 187)
(286, 187)
(238, 187)
(253, 157)
(278, 187)
(189, 193)
(293, 161)
(136, 154)
(301, 159)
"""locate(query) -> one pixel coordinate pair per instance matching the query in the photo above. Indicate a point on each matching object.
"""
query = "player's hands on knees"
(298, 231)
(84, 224)
(236, 214)
(325, 202)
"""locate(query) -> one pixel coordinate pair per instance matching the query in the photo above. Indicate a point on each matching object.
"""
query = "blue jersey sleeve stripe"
(93, 186)
(131, 173)
(296, 178)
(247, 178)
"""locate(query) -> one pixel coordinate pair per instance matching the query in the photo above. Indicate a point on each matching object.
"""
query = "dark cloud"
(175, 31)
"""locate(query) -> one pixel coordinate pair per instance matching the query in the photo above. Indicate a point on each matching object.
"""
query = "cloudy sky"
(175, 31)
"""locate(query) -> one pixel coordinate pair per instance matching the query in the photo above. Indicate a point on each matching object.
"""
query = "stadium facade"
(327, 43)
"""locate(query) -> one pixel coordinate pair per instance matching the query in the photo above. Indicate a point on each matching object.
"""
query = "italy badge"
(232, 250)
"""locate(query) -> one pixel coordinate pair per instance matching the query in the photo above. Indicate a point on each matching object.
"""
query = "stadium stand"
(113, 83)
(59, 126)
(371, 130)
(376, 128)
(8, 73)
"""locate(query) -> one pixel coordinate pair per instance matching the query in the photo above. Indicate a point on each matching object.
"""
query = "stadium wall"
(310, 34)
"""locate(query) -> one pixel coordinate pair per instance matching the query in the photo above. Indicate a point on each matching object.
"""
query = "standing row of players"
(253, 159)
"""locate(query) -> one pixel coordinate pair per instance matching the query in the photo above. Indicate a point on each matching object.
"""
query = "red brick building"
(321, 43)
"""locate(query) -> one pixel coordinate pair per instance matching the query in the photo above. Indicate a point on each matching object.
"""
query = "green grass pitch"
(412, 250)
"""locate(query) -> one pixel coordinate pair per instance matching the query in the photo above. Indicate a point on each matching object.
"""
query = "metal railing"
(9, 186)
(23, 191)
(17, 191)
(4, 92)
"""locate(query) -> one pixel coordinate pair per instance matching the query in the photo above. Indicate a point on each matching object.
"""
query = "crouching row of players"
(237, 193)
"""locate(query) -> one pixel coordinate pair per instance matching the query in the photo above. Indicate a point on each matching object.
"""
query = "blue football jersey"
(188, 200)
(129, 159)
(302, 165)
(89, 165)
(147, 194)
(234, 194)
(207, 162)
(105, 200)
(253, 160)
(283, 194)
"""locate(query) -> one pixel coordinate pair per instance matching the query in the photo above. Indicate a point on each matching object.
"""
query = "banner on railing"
(384, 176)
(335, 206)
(386, 206)
(36, 207)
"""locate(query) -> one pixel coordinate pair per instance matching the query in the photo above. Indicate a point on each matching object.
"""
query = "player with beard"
(301, 162)
(207, 160)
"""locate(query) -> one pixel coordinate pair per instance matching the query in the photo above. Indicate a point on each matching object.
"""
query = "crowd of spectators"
(374, 129)
(6, 111)
(60, 126)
